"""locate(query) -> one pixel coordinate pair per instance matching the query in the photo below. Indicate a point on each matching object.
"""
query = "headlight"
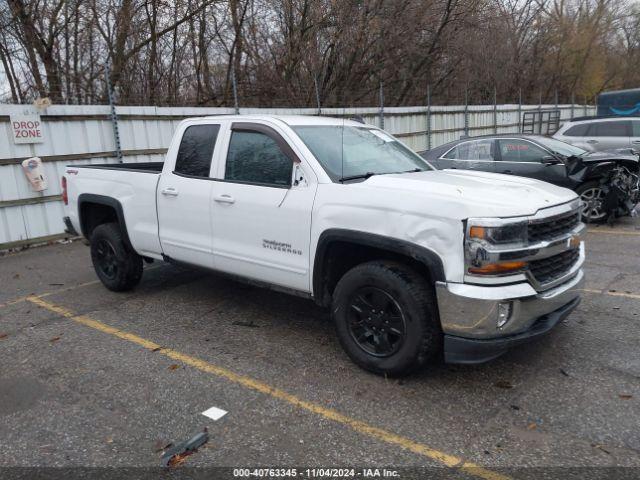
(481, 234)
(499, 235)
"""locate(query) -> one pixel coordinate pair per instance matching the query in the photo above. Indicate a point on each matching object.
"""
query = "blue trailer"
(619, 103)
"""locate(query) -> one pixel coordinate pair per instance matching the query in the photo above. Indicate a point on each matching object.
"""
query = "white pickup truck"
(414, 263)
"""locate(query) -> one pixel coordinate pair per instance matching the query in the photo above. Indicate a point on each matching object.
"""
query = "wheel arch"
(339, 250)
(94, 210)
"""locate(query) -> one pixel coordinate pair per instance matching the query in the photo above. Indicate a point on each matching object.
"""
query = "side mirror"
(549, 160)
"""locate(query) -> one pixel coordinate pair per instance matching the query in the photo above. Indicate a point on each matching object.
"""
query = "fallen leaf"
(54, 339)
(109, 440)
(600, 447)
(532, 426)
(174, 366)
(3, 335)
(503, 384)
(177, 460)
(625, 396)
(17, 275)
(156, 349)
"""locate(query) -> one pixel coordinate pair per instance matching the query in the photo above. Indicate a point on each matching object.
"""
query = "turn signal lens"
(497, 268)
(476, 232)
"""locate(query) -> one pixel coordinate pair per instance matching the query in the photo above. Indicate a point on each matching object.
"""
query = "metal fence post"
(381, 112)
(520, 111)
(495, 110)
(573, 102)
(585, 106)
(315, 83)
(466, 112)
(428, 117)
(236, 106)
(114, 117)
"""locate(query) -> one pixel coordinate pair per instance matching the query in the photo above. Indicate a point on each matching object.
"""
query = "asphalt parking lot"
(94, 378)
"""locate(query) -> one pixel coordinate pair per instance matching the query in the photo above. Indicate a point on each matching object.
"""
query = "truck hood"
(476, 194)
(609, 155)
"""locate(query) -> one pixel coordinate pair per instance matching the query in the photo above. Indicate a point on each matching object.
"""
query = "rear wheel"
(385, 318)
(117, 267)
(592, 196)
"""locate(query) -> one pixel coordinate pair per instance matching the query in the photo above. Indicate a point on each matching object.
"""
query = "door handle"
(224, 199)
(170, 191)
(592, 141)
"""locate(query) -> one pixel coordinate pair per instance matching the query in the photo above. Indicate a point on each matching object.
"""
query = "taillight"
(65, 197)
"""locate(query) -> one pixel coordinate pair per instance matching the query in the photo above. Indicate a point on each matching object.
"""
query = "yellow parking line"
(614, 231)
(357, 425)
(62, 290)
(612, 294)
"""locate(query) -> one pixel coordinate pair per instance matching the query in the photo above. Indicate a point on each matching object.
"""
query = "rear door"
(518, 156)
(261, 209)
(471, 155)
(609, 135)
(184, 197)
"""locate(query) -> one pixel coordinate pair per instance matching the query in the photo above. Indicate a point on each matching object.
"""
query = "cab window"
(256, 158)
(475, 150)
(196, 150)
(515, 150)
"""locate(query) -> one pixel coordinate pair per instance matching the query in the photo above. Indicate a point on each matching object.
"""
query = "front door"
(261, 216)
(524, 158)
(184, 206)
(608, 135)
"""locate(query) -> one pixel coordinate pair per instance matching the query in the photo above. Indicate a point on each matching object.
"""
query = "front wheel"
(386, 318)
(592, 196)
(117, 267)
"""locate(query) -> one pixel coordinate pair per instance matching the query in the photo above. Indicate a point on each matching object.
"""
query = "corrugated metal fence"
(83, 134)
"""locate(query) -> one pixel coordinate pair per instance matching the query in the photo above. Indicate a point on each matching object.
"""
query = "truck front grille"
(548, 269)
(552, 227)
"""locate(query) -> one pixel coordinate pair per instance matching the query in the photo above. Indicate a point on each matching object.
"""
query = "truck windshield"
(561, 148)
(348, 152)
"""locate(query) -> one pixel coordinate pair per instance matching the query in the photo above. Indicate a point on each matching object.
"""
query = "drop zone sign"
(27, 129)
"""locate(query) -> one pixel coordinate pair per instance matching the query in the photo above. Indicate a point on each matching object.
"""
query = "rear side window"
(256, 158)
(476, 150)
(609, 129)
(196, 150)
(577, 131)
(636, 128)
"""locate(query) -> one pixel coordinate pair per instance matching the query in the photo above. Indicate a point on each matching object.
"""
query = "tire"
(593, 195)
(372, 303)
(117, 267)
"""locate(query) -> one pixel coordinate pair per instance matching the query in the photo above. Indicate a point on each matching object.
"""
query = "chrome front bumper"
(472, 310)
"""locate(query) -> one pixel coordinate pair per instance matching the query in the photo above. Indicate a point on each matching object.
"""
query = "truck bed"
(142, 167)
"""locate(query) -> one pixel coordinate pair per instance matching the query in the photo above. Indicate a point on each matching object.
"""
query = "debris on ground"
(245, 324)
(625, 396)
(503, 384)
(174, 366)
(54, 339)
(3, 335)
(564, 372)
(601, 447)
(175, 456)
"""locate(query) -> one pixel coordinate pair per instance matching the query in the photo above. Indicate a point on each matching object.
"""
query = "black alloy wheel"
(377, 322)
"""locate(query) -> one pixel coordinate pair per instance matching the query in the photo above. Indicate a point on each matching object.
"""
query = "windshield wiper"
(357, 177)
